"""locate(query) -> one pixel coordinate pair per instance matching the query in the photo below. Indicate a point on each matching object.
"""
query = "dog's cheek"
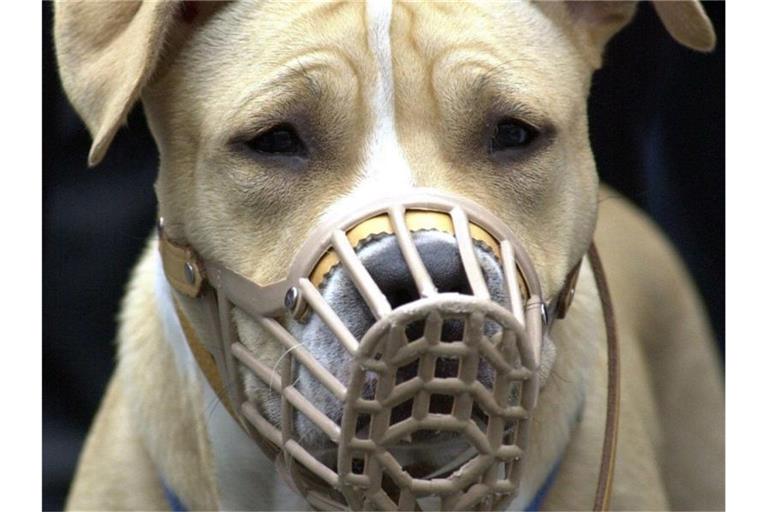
(258, 342)
(258, 393)
(308, 432)
(255, 338)
(321, 346)
(331, 355)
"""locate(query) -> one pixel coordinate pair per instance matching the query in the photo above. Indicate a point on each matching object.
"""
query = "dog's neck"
(247, 478)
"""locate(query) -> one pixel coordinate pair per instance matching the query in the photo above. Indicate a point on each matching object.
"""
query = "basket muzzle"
(417, 420)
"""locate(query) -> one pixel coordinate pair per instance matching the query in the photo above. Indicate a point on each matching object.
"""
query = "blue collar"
(538, 499)
(174, 502)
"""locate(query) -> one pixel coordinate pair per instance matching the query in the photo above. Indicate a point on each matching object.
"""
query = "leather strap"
(610, 435)
(182, 267)
(204, 359)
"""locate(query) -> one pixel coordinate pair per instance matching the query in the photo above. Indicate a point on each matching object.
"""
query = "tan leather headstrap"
(182, 266)
(610, 436)
(204, 360)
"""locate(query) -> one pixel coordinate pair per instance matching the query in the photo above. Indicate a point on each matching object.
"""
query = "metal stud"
(291, 299)
(189, 272)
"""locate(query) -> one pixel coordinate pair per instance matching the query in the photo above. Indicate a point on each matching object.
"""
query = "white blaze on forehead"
(385, 160)
(385, 170)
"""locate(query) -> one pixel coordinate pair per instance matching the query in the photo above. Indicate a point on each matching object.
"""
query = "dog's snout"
(438, 251)
(440, 255)
(382, 258)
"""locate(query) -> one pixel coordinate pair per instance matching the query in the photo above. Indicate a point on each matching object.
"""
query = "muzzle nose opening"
(406, 253)
(384, 257)
(384, 260)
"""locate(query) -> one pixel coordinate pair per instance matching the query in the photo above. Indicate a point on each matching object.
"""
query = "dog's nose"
(384, 261)
(440, 255)
(382, 258)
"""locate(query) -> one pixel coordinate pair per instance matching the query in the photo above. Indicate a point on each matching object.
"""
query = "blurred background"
(657, 116)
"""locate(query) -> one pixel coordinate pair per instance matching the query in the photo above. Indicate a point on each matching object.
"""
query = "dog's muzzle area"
(411, 332)
(381, 256)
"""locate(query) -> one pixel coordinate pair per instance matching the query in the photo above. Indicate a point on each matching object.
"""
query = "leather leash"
(610, 435)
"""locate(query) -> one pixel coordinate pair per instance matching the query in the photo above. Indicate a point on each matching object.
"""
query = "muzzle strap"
(181, 265)
(205, 359)
(611, 434)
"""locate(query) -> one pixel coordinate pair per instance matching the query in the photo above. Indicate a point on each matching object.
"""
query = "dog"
(268, 116)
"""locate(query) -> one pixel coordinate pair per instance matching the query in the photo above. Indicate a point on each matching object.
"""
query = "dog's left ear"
(593, 23)
(107, 52)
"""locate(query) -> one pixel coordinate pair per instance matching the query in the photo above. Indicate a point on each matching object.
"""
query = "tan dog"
(266, 115)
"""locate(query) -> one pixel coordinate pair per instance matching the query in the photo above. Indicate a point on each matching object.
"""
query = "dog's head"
(270, 115)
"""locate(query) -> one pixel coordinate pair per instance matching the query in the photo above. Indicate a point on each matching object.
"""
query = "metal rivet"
(291, 299)
(189, 272)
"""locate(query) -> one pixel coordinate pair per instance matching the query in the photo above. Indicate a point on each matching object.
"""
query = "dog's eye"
(511, 134)
(278, 140)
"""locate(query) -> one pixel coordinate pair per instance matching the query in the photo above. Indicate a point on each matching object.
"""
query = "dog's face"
(269, 115)
(266, 122)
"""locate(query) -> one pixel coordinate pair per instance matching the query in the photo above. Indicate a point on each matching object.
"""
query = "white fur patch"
(246, 478)
(385, 170)
(385, 163)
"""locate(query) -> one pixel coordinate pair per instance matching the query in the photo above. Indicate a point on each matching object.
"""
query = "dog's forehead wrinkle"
(297, 72)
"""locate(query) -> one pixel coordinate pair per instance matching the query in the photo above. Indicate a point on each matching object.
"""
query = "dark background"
(657, 116)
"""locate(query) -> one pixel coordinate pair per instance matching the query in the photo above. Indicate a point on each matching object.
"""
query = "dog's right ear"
(593, 23)
(107, 52)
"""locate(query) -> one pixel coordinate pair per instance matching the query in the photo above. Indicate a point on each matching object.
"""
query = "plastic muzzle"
(383, 412)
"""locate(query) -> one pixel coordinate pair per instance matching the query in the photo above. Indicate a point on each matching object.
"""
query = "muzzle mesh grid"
(366, 474)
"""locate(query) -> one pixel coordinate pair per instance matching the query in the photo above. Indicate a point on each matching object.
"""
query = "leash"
(610, 435)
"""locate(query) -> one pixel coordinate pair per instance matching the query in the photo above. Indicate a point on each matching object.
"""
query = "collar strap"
(181, 264)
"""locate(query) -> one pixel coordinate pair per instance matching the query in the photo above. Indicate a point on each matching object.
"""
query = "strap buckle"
(183, 268)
